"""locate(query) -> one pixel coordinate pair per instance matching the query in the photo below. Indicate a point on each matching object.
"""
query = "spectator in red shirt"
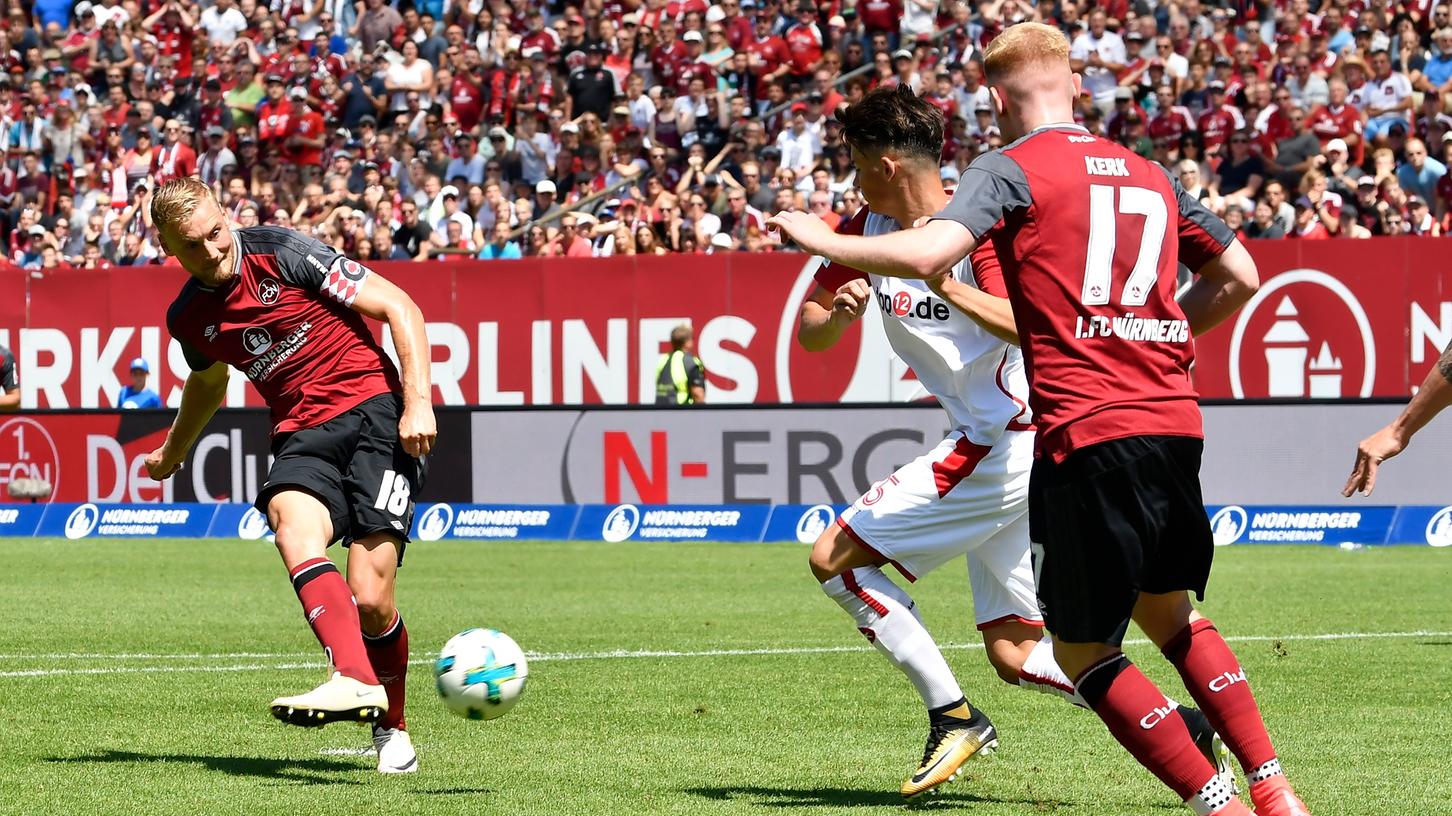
(174, 159)
(768, 53)
(305, 135)
(1170, 120)
(737, 27)
(881, 15)
(1219, 119)
(1308, 222)
(174, 30)
(1338, 119)
(804, 42)
(273, 117)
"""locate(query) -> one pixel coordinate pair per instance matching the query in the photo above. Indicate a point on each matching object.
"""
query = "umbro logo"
(315, 612)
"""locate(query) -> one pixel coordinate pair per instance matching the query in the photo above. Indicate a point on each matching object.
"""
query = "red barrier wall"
(1333, 319)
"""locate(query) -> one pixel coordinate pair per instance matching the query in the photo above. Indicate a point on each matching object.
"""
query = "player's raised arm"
(917, 253)
(382, 300)
(841, 296)
(202, 395)
(1434, 396)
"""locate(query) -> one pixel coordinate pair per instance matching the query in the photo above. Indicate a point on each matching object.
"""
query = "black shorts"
(355, 464)
(1114, 520)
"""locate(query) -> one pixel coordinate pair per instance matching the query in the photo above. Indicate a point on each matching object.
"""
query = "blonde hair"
(1021, 46)
(175, 201)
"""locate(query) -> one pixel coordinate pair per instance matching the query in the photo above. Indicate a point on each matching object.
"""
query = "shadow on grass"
(456, 791)
(857, 797)
(320, 771)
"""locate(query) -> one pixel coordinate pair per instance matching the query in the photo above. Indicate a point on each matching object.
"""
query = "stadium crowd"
(414, 129)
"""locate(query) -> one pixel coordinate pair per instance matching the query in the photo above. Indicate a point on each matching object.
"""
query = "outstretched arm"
(923, 252)
(1434, 395)
(381, 300)
(202, 395)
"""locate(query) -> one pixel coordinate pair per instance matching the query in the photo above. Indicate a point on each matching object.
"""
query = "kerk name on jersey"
(1103, 166)
(1129, 327)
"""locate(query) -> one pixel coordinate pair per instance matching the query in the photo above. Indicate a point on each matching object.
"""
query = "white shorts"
(958, 498)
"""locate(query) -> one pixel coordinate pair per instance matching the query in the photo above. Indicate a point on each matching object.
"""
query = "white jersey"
(977, 378)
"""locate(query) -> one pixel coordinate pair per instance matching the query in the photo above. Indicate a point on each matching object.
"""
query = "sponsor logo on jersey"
(621, 523)
(82, 521)
(900, 304)
(813, 522)
(268, 290)
(256, 340)
(1439, 528)
(1273, 354)
(277, 353)
(435, 522)
(1228, 525)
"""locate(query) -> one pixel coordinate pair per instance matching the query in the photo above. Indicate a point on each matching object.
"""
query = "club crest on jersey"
(268, 290)
(256, 340)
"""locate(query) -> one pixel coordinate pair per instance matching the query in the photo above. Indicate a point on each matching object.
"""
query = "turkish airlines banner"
(1332, 319)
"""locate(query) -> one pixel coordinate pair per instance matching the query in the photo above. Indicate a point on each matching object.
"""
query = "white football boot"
(340, 699)
(395, 751)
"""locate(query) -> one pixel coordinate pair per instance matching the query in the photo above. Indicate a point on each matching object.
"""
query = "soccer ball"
(480, 674)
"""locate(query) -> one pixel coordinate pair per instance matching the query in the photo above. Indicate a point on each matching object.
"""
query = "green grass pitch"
(135, 677)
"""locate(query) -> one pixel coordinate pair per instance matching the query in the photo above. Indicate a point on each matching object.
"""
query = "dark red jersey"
(285, 322)
(1169, 124)
(1090, 236)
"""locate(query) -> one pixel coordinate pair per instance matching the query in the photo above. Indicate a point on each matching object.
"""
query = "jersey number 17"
(1103, 235)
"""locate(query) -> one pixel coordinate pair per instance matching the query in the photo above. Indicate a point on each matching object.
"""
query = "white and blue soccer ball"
(481, 674)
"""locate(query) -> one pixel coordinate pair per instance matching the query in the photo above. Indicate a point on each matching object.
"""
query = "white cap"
(1337, 144)
(569, 127)
(714, 14)
(297, 92)
(692, 36)
(81, 8)
(721, 240)
(449, 190)
(545, 186)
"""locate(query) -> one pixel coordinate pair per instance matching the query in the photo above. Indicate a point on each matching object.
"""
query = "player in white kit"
(969, 494)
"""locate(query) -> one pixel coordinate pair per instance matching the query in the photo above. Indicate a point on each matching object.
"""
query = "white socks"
(1041, 673)
(889, 618)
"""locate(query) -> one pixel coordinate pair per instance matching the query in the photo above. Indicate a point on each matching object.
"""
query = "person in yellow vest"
(680, 379)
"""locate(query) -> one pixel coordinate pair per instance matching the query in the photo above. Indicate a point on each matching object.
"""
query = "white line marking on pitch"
(619, 654)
